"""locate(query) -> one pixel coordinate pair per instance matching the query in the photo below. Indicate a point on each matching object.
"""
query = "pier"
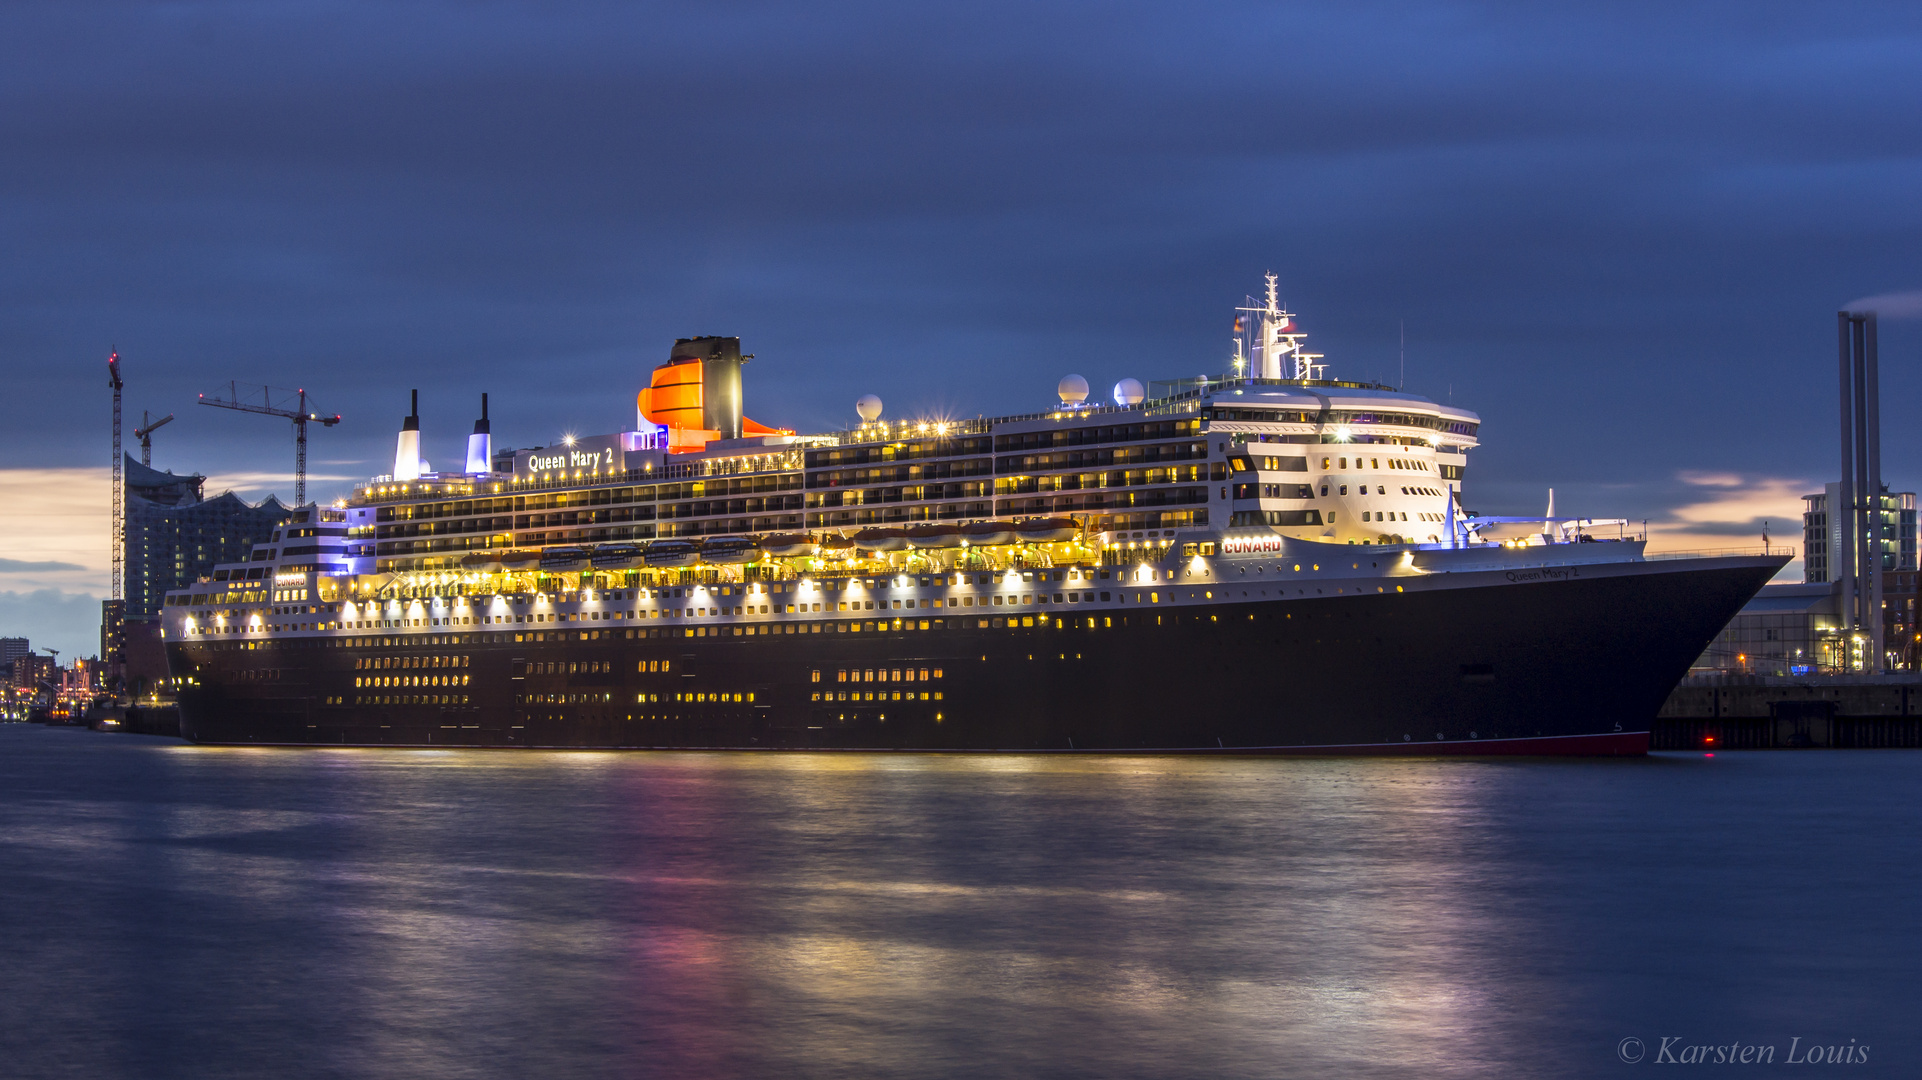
(1764, 712)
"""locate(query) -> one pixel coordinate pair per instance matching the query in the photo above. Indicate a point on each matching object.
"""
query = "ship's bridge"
(1338, 461)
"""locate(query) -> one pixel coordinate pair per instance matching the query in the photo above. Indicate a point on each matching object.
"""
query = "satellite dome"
(1073, 390)
(869, 406)
(1129, 392)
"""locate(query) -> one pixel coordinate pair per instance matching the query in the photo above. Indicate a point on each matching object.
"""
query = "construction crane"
(262, 400)
(145, 434)
(119, 518)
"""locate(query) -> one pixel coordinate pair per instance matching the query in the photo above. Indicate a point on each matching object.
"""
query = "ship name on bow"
(1546, 573)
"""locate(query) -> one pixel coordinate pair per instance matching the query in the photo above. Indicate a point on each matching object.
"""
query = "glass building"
(175, 536)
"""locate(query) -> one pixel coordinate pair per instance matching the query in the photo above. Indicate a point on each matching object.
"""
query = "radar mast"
(1281, 339)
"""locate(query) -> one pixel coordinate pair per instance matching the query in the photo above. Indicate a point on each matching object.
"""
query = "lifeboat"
(517, 561)
(934, 536)
(988, 533)
(618, 557)
(1047, 530)
(835, 544)
(730, 549)
(486, 562)
(672, 553)
(564, 560)
(788, 544)
(881, 539)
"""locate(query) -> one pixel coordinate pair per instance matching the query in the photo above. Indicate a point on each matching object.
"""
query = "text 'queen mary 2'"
(1267, 561)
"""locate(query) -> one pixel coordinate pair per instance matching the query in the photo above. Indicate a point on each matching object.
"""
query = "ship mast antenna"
(1278, 335)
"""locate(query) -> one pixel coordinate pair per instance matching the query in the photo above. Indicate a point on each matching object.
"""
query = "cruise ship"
(1264, 561)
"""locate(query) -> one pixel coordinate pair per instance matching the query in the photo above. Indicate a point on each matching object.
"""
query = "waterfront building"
(175, 535)
(113, 635)
(11, 648)
(81, 680)
(1823, 534)
(31, 669)
(1794, 629)
(1788, 629)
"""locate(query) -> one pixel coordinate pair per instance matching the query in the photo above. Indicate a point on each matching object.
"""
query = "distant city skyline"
(1619, 235)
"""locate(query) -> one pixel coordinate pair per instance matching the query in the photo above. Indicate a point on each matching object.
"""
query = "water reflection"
(350, 912)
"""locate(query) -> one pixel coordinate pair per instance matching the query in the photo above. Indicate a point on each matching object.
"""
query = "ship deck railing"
(1723, 552)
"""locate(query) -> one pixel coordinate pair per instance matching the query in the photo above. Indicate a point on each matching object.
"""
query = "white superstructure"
(1342, 462)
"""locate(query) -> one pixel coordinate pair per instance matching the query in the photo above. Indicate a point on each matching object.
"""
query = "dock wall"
(1761, 712)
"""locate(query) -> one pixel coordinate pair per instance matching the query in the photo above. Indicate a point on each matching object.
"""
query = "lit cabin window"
(816, 673)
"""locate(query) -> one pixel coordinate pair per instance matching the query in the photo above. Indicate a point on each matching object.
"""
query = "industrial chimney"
(407, 450)
(480, 445)
(1856, 560)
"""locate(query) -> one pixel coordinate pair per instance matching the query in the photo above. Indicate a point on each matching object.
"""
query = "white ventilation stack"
(407, 450)
(480, 445)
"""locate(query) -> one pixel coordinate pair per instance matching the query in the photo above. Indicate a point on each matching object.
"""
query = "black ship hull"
(1488, 663)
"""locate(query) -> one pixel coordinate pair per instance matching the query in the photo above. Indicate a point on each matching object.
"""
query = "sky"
(1620, 233)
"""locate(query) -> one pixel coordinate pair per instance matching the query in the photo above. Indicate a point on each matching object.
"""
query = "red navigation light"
(1708, 755)
(1708, 740)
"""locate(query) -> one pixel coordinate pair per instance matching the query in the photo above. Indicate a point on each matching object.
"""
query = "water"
(175, 911)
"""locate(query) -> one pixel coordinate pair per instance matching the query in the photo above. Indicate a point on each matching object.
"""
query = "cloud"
(1740, 503)
(53, 618)
(1712, 479)
(59, 525)
(1730, 510)
(255, 486)
(1902, 305)
(21, 566)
